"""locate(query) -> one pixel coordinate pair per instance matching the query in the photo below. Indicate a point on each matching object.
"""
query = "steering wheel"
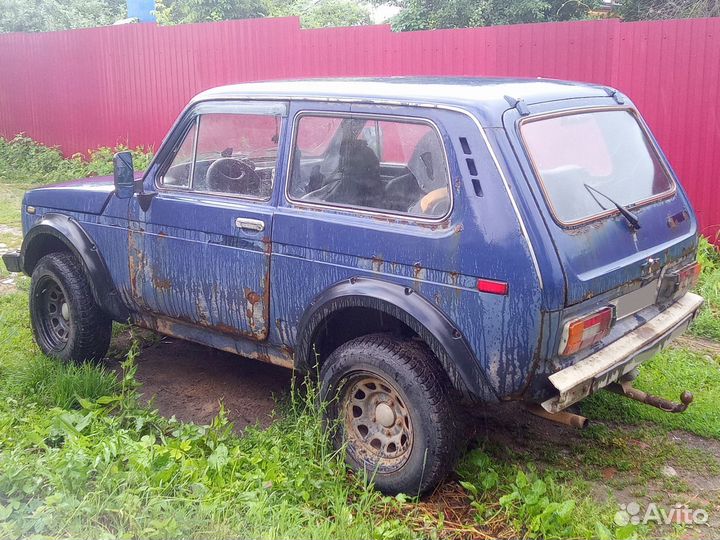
(435, 203)
(233, 175)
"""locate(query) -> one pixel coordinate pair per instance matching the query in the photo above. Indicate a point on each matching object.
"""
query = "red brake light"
(493, 287)
(586, 331)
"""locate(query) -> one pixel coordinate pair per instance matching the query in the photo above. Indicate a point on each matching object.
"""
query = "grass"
(10, 200)
(708, 323)
(82, 457)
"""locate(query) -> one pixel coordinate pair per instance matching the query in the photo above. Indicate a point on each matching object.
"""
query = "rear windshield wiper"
(627, 214)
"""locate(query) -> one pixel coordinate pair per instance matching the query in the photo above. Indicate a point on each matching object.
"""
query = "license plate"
(630, 303)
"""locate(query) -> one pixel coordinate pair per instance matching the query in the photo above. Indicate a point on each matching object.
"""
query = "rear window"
(583, 158)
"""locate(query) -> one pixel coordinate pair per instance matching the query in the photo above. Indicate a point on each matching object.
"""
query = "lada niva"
(420, 243)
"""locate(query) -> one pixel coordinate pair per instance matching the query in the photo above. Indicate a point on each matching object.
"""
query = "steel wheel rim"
(54, 312)
(377, 423)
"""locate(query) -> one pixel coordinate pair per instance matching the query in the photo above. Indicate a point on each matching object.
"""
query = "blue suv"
(422, 244)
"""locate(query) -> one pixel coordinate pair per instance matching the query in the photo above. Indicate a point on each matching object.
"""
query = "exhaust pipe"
(629, 391)
(562, 417)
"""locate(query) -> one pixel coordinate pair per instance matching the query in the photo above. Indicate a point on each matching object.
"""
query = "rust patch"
(377, 263)
(417, 270)
(162, 234)
(162, 284)
(454, 277)
(252, 296)
(458, 228)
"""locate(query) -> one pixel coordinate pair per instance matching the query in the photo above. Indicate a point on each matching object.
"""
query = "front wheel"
(66, 321)
(388, 401)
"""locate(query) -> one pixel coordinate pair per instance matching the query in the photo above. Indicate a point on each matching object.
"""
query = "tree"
(429, 14)
(635, 10)
(193, 11)
(47, 15)
(322, 13)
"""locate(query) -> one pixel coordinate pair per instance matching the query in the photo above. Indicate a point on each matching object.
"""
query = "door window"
(234, 154)
(392, 166)
(180, 170)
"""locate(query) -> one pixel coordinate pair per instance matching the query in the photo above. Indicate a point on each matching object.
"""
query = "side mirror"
(124, 175)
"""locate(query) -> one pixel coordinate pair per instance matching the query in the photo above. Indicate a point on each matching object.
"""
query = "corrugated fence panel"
(126, 84)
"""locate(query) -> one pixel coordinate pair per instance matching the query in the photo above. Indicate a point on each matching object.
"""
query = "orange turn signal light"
(587, 331)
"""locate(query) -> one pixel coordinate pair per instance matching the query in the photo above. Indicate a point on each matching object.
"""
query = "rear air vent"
(477, 187)
(472, 169)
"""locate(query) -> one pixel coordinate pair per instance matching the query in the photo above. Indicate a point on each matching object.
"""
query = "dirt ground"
(190, 381)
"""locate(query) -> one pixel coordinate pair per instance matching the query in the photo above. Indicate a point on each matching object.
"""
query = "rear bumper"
(13, 261)
(620, 357)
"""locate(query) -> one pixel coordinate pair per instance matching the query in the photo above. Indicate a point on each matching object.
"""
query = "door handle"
(246, 224)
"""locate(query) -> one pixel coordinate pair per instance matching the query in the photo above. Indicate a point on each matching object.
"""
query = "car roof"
(488, 93)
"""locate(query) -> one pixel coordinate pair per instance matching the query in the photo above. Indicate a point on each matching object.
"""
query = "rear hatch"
(586, 163)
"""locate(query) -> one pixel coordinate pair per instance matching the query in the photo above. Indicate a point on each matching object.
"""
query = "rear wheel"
(389, 403)
(66, 321)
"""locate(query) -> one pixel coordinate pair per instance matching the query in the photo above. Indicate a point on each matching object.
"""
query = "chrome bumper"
(620, 357)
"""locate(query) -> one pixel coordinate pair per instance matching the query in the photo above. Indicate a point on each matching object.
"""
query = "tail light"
(586, 331)
(688, 276)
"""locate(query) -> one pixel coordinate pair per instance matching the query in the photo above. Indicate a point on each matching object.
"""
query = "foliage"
(322, 13)
(24, 161)
(535, 504)
(46, 15)
(708, 322)
(431, 14)
(636, 10)
(194, 11)
(101, 465)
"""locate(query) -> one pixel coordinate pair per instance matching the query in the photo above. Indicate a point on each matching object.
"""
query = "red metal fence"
(85, 88)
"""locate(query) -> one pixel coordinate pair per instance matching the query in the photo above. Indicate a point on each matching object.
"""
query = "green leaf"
(219, 457)
(106, 400)
(602, 532)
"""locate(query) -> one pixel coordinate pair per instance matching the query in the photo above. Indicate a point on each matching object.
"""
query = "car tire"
(388, 402)
(66, 321)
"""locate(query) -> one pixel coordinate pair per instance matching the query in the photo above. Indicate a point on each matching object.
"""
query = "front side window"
(394, 166)
(178, 174)
(583, 158)
(234, 154)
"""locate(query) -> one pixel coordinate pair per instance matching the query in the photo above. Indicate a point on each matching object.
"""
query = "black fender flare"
(405, 304)
(68, 231)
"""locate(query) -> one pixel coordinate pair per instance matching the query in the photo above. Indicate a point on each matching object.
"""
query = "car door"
(200, 253)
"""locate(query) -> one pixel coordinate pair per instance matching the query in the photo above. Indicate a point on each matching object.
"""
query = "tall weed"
(25, 161)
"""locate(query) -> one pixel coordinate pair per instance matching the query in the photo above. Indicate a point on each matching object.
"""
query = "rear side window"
(391, 166)
(583, 158)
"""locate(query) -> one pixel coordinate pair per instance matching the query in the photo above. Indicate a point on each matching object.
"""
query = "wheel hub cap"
(377, 423)
(385, 415)
(65, 311)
